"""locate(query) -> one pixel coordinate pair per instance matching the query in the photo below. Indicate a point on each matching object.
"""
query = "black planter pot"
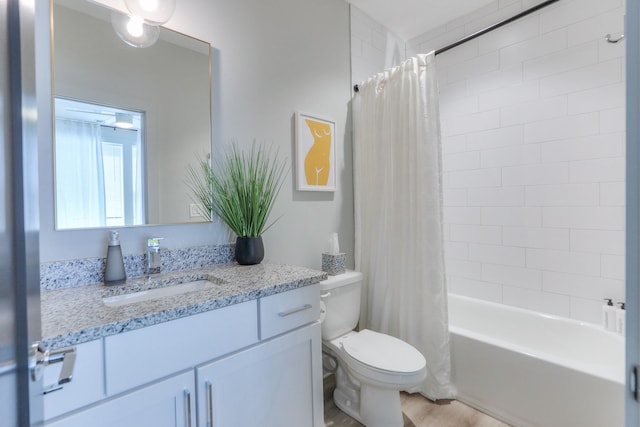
(249, 250)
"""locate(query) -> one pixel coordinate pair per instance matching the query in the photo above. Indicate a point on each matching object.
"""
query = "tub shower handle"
(294, 310)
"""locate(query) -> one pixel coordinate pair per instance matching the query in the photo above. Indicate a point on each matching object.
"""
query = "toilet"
(371, 368)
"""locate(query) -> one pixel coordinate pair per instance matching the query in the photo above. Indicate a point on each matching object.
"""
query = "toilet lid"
(383, 352)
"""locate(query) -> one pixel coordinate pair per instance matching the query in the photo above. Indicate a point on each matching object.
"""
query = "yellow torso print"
(317, 162)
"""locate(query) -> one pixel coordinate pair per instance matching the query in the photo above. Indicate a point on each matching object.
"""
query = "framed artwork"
(315, 152)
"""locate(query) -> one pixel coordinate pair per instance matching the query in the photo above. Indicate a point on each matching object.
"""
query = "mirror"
(164, 91)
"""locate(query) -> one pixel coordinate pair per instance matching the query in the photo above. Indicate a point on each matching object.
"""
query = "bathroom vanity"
(245, 351)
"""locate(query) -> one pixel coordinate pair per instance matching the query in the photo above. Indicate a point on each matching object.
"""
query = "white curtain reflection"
(98, 175)
(80, 196)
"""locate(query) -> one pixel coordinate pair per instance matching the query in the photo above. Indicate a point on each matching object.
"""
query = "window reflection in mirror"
(99, 165)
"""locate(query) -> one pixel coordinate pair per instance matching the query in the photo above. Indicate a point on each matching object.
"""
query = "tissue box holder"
(333, 264)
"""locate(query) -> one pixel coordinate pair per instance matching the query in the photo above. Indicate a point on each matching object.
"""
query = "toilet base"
(372, 406)
(346, 403)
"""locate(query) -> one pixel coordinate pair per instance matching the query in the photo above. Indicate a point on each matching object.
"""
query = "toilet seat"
(383, 353)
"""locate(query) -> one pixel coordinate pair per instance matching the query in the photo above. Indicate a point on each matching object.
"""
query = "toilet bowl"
(372, 368)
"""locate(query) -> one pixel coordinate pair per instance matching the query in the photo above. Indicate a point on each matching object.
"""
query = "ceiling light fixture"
(124, 120)
(133, 30)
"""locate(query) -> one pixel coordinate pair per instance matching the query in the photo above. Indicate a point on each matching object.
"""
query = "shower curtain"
(398, 214)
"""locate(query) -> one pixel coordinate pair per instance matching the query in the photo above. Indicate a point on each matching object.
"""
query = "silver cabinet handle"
(294, 310)
(209, 389)
(187, 410)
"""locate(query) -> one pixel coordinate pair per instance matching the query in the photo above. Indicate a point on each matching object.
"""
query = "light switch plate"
(193, 210)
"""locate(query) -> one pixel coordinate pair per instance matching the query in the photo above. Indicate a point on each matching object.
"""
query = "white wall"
(373, 47)
(533, 142)
(271, 59)
(533, 155)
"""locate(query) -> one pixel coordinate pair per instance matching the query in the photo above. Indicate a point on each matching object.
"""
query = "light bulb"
(134, 26)
(133, 30)
(154, 12)
(148, 5)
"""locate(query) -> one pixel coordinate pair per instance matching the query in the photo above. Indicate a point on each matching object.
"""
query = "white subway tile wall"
(373, 47)
(533, 126)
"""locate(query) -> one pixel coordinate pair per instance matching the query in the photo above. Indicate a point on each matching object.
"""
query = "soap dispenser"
(621, 319)
(114, 273)
(609, 315)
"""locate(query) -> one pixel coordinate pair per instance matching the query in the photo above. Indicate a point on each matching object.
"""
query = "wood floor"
(417, 412)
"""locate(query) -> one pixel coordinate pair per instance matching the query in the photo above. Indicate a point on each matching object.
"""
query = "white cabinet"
(277, 383)
(168, 403)
(87, 383)
(138, 357)
(257, 363)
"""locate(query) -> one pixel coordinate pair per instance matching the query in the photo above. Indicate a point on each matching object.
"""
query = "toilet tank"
(340, 296)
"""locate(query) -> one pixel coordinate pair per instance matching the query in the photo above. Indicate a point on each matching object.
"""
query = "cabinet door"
(275, 383)
(86, 386)
(169, 403)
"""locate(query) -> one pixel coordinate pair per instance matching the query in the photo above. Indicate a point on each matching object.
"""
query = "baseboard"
(493, 412)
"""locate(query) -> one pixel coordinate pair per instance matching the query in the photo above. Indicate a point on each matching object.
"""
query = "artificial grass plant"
(240, 188)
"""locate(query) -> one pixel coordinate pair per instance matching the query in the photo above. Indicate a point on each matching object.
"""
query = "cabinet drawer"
(86, 385)
(138, 357)
(282, 312)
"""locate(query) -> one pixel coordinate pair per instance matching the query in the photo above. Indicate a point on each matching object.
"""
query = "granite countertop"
(78, 314)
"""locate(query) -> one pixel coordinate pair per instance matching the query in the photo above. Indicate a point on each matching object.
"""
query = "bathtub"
(535, 370)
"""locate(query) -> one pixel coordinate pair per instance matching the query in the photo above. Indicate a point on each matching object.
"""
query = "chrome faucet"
(153, 255)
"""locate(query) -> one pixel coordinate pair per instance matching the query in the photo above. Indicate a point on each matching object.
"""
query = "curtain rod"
(490, 28)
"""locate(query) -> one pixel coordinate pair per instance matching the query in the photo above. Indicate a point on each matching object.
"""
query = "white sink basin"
(151, 294)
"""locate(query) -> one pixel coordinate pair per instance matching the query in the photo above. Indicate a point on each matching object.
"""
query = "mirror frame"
(167, 33)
